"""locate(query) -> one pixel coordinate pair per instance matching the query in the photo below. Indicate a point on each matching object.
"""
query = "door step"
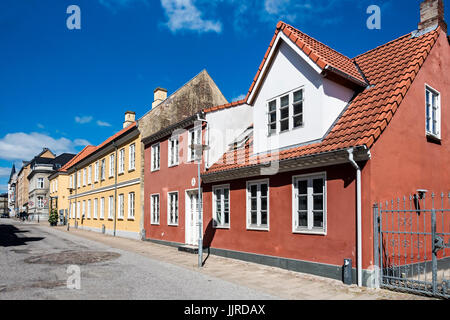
(188, 249)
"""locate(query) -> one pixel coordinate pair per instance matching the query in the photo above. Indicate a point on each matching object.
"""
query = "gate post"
(434, 250)
(376, 248)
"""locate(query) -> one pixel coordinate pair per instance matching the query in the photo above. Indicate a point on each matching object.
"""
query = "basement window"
(433, 113)
(309, 207)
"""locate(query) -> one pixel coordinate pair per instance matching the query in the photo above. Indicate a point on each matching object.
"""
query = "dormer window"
(285, 112)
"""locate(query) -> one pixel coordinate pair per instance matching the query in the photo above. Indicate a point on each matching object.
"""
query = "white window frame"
(96, 175)
(131, 205)
(102, 208)
(169, 199)
(221, 224)
(56, 185)
(110, 207)
(89, 174)
(291, 114)
(132, 157)
(310, 229)
(198, 140)
(88, 209)
(111, 165)
(173, 153)
(78, 210)
(40, 202)
(156, 157)
(71, 181)
(79, 179)
(72, 214)
(258, 226)
(429, 117)
(121, 159)
(83, 209)
(121, 206)
(40, 183)
(96, 208)
(84, 177)
(152, 207)
(103, 169)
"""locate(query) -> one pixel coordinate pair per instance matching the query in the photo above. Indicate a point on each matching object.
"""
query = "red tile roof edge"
(225, 106)
(88, 150)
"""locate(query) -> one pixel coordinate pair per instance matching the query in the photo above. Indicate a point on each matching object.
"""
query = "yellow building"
(104, 184)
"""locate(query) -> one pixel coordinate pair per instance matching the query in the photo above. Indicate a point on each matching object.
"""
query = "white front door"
(192, 218)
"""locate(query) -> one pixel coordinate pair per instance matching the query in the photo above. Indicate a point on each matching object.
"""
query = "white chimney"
(160, 95)
(130, 117)
(431, 14)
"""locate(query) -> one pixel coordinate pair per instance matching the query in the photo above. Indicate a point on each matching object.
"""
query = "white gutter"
(358, 215)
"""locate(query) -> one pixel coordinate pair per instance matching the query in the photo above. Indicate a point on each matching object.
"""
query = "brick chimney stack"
(431, 14)
(130, 117)
(160, 96)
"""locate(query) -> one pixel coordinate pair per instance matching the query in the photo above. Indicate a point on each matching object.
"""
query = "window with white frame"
(173, 151)
(95, 208)
(285, 113)
(121, 161)
(111, 208)
(194, 137)
(40, 202)
(84, 177)
(258, 205)
(40, 183)
(83, 212)
(103, 169)
(156, 156)
(96, 172)
(154, 208)
(132, 157)
(78, 210)
(102, 208)
(88, 209)
(90, 174)
(111, 166)
(433, 112)
(172, 208)
(131, 205)
(56, 185)
(221, 206)
(309, 209)
(73, 210)
(121, 207)
(71, 181)
(79, 179)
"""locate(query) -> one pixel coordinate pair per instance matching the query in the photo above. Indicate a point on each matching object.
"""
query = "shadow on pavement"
(9, 238)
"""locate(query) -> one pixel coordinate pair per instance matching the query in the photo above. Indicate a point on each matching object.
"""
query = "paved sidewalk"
(278, 282)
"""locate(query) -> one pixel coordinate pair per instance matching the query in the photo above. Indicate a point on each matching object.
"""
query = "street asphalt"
(38, 262)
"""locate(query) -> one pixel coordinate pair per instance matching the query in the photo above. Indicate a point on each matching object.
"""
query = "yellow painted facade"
(104, 188)
(59, 193)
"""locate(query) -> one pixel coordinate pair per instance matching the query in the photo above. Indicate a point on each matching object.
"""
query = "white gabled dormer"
(293, 103)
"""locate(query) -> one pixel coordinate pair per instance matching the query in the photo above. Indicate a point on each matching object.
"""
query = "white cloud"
(40, 126)
(185, 15)
(240, 97)
(103, 124)
(114, 4)
(25, 146)
(81, 142)
(83, 120)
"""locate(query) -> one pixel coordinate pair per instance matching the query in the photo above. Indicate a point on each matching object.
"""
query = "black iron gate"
(411, 244)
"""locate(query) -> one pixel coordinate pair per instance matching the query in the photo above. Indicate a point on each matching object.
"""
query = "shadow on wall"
(208, 237)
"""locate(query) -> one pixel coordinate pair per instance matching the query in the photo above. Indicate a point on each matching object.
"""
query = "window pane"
(272, 117)
(263, 217)
(318, 185)
(298, 108)
(253, 191)
(284, 101)
(272, 105)
(254, 217)
(284, 113)
(263, 204)
(318, 219)
(284, 125)
(298, 96)
(302, 219)
(302, 187)
(264, 189)
(253, 204)
(303, 202)
(318, 202)
(298, 121)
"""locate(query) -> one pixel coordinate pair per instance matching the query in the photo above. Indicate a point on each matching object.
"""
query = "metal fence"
(412, 241)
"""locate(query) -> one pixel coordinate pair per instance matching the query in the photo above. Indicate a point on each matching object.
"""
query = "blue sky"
(63, 89)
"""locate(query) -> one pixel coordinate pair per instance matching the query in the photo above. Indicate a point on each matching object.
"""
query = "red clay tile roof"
(225, 106)
(390, 69)
(80, 156)
(87, 151)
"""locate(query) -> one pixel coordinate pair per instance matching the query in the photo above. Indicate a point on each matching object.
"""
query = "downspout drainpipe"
(358, 215)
